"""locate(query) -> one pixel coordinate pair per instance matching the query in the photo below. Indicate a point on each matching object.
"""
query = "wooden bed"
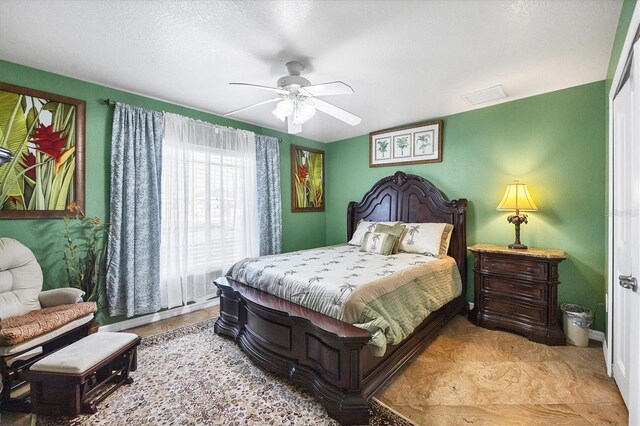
(328, 357)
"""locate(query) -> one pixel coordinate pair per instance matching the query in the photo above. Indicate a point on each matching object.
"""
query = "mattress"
(387, 295)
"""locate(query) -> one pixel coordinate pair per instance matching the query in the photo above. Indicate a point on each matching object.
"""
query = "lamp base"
(518, 246)
(517, 219)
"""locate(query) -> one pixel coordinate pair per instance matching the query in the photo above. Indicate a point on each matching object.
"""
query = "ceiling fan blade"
(253, 106)
(257, 86)
(326, 89)
(336, 112)
(293, 128)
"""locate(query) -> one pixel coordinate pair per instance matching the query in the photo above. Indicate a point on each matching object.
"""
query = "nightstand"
(517, 290)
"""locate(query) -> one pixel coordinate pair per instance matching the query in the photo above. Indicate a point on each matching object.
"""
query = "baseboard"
(596, 335)
(148, 319)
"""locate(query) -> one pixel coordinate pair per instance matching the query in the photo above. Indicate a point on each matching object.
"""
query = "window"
(209, 208)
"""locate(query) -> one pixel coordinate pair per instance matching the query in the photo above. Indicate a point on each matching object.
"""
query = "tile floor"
(471, 375)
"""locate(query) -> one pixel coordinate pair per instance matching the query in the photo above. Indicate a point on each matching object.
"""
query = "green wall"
(44, 237)
(553, 142)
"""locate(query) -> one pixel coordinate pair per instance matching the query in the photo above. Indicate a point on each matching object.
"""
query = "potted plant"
(84, 242)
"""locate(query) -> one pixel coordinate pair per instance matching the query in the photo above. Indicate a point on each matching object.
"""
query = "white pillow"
(363, 227)
(431, 239)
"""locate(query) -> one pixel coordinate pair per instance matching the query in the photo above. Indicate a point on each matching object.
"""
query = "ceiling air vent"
(485, 95)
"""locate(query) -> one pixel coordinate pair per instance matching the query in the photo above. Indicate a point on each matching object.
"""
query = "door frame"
(607, 347)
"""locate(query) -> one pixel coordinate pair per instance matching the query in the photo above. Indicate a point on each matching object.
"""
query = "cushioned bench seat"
(64, 382)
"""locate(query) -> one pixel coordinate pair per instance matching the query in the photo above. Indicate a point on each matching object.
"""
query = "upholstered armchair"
(33, 323)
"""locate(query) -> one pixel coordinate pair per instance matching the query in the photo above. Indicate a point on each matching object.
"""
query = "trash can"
(576, 320)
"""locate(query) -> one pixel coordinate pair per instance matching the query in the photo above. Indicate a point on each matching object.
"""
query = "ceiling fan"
(297, 99)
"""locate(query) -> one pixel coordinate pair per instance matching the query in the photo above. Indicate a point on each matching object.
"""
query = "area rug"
(191, 376)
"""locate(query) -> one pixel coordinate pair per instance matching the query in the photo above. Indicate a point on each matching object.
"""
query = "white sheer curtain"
(209, 207)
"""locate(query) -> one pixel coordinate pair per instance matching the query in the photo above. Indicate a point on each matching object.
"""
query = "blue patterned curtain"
(269, 202)
(133, 251)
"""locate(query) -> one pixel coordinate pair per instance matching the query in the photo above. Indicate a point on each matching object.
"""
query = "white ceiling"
(407, 61)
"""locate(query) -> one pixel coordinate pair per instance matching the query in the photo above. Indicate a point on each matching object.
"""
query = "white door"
(623, 224)
(626, 236)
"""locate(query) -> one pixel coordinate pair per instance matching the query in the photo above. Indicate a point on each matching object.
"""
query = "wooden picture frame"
(46, 134)
(307, 179)
(414, 144)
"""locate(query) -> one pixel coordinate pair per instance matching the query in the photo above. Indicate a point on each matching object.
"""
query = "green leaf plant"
(84, 254)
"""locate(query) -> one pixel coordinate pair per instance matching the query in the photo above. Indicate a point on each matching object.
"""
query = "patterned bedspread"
(387, 295)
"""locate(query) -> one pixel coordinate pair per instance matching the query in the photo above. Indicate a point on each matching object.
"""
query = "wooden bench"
(66, 382)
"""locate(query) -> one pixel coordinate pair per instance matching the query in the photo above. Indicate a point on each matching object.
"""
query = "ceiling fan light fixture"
(298, 109)
(303, 112)
(284, 108)
(298, 99)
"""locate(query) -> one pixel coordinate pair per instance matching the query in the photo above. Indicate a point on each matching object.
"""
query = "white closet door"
(626, 237)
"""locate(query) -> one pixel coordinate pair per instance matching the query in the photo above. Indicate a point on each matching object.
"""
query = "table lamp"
(517, 198)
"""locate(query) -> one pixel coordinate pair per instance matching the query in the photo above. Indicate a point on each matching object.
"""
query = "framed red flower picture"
(42, 147)
(307, 179)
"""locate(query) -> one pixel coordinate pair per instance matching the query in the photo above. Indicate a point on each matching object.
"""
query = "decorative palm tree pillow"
(363, 227)
(431, 239)
(396, 230)
(378, 242)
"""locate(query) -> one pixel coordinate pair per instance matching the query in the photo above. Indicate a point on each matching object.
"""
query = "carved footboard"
(313, 350)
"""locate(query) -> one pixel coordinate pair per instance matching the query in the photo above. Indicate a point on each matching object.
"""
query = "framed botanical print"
(418, 143)
(44, 136)
(307, 179)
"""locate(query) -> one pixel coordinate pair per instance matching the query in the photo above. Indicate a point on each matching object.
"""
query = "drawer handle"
(529, 269)
(493, 264)
(511, 309)
(512, 285)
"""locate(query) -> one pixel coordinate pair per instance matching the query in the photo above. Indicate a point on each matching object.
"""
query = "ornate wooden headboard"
(411, 199)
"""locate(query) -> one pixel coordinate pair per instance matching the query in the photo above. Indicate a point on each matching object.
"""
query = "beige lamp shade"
(517, 198)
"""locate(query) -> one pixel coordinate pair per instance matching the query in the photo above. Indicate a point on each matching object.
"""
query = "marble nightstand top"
(533, 252)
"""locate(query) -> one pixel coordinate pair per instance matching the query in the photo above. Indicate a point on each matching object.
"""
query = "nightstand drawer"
(534, 293)
(513, 309)
(520, 268)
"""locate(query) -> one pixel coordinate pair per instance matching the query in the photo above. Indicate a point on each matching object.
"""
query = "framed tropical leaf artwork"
(307, 179)
(44, 133)
(418, 143)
